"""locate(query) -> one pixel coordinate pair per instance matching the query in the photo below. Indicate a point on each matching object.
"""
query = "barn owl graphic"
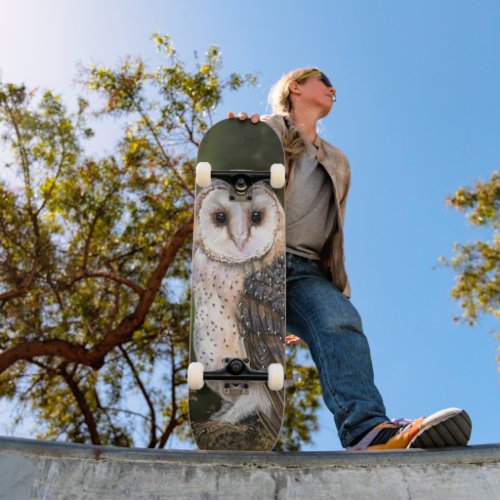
(239, 293)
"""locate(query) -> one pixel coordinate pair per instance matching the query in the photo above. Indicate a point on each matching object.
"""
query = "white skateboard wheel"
(275, 377)
(195, 376)
(203, 174)
(277, 175)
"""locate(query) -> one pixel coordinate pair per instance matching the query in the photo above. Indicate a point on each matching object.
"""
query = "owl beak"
(240, 240)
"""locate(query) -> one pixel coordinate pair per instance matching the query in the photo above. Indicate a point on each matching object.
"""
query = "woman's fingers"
(254, 118)
(292, 340)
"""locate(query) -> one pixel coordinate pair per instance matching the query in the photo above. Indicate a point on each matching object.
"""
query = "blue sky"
(418, 115)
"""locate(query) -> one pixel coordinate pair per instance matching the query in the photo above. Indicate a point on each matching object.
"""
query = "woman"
(319, 310)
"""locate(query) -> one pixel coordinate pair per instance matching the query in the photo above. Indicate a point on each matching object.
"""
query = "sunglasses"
(323, 78)
(316, 72)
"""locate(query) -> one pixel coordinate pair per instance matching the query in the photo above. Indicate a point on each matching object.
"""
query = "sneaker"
(450, 427)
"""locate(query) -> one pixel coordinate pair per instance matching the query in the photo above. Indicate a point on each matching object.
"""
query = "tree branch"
(89, 238)
(160, 146)
(24, 288)
(97, 215)
(122, 333)
(53, 184)
(173, 422)
(82, 404)
(114, 277)
(137, 378)
(7, 235)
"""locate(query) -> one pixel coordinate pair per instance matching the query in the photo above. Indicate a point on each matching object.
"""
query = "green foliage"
(477, 264)
(303, 393)
(95, 254)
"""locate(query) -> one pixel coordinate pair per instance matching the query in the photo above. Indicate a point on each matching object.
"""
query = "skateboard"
(237, 337)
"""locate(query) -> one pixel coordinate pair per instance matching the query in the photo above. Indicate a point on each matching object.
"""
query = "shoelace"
(401, 421)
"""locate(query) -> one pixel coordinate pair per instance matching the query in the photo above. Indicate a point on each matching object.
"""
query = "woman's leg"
(326, 320)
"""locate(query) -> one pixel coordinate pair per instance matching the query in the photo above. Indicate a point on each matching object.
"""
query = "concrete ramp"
(35, 469)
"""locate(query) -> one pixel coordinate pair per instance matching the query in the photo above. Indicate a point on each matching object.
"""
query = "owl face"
(235, 232)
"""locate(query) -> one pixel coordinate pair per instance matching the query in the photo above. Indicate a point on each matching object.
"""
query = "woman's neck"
(306, 122)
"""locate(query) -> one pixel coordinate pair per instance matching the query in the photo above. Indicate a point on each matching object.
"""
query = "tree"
(95, 254)
(477, 264)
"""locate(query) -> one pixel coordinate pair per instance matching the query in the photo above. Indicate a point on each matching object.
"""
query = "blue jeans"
(325, 319)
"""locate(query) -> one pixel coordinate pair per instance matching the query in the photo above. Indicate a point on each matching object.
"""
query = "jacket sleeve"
(347, 185)
(343, 202)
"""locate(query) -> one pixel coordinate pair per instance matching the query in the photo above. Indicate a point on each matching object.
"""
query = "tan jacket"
(337, 166)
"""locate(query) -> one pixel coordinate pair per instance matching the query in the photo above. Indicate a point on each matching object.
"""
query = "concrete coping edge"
(477, 454)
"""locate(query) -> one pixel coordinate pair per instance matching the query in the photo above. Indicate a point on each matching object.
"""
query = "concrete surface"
(42, 470)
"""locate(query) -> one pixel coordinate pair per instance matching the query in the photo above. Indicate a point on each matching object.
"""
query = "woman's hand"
(243, 116)
(292, 340)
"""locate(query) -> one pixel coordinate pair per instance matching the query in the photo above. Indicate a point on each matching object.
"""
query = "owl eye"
(220, 218)
(256, 217)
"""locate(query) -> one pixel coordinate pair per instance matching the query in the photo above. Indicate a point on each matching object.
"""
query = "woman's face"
(315, 91)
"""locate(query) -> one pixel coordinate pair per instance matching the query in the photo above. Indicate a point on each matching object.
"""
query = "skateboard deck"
(237, 338)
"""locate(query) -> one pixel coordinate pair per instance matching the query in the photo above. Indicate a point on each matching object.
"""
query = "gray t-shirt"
(310, 207)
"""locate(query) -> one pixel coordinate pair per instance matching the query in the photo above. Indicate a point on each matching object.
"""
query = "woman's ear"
(294, 87)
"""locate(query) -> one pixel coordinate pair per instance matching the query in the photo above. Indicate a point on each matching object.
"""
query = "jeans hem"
(347, 437)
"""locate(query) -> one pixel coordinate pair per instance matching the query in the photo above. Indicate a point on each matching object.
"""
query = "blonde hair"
(279, 96)
(281, 104)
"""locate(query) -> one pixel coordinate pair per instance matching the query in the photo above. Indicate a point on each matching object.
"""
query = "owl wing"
(262, 314)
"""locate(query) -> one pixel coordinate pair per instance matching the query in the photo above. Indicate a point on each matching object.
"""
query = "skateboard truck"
(241, 182)
(236, 370)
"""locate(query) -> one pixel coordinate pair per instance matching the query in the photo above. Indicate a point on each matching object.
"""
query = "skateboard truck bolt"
(235, 367)
(241, 182)
(241, 186)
